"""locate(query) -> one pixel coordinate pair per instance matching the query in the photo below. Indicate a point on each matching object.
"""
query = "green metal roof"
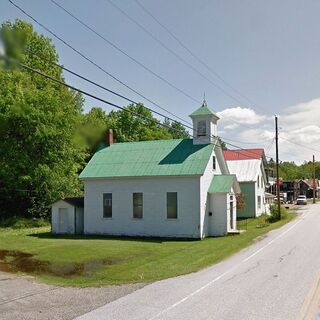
(203, 111)
(149, 158)
(221, 183)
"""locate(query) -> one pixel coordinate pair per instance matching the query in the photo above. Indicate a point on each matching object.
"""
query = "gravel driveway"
(23, 298)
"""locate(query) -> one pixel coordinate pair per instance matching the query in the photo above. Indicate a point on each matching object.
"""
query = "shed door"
(63, 220)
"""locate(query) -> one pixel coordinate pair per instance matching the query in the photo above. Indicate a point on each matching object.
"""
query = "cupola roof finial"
(204, 103)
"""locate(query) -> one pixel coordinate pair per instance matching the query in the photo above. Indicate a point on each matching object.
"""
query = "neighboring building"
(164, 188)
(305, 187)
(249, 167)
(289, 190)
(269, 201)
(67, 216)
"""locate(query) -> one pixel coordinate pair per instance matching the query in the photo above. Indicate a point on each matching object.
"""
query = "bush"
(274, 213)
(21, 223)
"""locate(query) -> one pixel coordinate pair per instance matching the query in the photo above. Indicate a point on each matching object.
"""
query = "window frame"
(214, 163)
(105, 214)
(137, 205)
(203, 126)
(170, 207)
(259, 203)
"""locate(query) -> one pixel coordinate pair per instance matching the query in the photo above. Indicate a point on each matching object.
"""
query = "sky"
(261, 58)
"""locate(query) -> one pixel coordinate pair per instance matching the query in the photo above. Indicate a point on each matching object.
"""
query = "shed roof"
(76, 201)
(178, 157)
(222, 183)
(245, 170)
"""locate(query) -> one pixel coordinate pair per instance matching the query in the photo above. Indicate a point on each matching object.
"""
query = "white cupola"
(204, 125)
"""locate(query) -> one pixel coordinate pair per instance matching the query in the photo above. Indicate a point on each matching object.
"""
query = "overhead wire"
(150, 34)
(86, 93)
(60, 82)
(298, 144)
(156, 39)
(115, 93)
(183, 45)
(92, 62)
(99, 85)
(244, 142)
(101, 68)
(125, 53)
(189, 65)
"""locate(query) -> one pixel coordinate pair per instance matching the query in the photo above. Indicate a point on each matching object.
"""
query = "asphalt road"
(276, 278)
(24, 298)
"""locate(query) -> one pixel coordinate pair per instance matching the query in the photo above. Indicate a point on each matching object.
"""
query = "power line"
(99, 67)
(91, 61)
(124, 53)
(300, 145)
(107, 102)
(100, 86)
(268, 148)
(171, 51)
(117, 94)
(81, 91)
(120, 95)
(193, 54)
(237, 141)
(246, 150)
(109, 42)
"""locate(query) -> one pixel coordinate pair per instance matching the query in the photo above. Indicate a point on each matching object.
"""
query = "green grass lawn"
(95, 261)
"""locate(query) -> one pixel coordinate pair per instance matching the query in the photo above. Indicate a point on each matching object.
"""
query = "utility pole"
(277, 169)
(314, 180)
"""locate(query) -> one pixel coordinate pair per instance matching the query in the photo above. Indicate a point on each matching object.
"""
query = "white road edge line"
(226, 272)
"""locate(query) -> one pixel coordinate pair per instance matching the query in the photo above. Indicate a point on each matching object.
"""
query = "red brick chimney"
(109, 137)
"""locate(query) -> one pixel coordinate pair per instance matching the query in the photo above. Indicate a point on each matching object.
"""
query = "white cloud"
(302, 115)
(231, 118)
(299, 124)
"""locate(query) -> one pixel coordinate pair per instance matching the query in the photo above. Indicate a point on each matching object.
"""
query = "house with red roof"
(249, 167)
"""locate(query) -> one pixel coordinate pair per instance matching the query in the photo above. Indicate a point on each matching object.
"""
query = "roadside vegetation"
(95, 261)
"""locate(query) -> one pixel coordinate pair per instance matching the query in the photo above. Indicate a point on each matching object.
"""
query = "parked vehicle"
(302, 200)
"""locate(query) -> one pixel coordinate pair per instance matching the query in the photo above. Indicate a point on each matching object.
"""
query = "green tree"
(128, 126)
(39, 155)
(289, 170)
(176, 129)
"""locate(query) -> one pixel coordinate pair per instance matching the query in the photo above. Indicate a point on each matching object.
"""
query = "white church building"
(163, 188)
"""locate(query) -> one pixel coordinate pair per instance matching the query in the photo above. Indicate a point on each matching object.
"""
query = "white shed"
(67, 216)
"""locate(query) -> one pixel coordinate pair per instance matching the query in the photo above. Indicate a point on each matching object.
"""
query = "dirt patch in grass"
(16, 261)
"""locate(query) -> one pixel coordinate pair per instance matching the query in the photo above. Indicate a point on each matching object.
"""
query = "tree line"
(292, 171)
(45, 137)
